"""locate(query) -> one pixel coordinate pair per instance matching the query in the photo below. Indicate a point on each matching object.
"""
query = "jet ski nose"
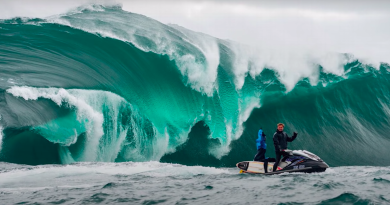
(243, 165)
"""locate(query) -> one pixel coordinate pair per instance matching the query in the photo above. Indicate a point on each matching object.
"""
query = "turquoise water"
(102, 85)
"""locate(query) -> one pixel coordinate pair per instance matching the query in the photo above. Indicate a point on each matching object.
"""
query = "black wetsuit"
(280, 143)
(260, 156)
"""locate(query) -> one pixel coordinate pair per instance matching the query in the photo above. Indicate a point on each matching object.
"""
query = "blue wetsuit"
(260, 141)
(261, 147)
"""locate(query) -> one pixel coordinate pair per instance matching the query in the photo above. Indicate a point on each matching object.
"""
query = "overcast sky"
(358, 27)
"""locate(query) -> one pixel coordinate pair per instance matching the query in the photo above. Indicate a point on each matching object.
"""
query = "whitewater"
(106, 106)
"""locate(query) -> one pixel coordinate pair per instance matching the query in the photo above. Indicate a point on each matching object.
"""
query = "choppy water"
(160, 183)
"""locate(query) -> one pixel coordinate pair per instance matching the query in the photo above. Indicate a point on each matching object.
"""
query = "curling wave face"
(102, 84)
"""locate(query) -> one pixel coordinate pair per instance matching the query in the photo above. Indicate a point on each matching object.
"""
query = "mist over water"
(99, 91)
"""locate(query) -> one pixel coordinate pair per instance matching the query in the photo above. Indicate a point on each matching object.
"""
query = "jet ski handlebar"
(288, 151)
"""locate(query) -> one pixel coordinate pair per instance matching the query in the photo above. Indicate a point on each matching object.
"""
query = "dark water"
(159, 183)
(110, 91)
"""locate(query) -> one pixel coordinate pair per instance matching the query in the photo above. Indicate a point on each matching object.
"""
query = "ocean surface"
(100, 105)
(161, 183)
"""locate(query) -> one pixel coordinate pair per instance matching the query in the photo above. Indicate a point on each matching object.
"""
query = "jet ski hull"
(296, 161)
(306, 168)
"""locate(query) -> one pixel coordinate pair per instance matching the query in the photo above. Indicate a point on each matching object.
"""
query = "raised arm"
(290, 139)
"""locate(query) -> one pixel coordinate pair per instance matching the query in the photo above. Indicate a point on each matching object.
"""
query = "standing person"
(261, 149)
(261, 146)
(280, 142)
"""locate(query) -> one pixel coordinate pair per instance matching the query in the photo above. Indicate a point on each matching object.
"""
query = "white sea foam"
(291, 66)
(102, 144)
(85, 170)
(84, 111)
(200, 70)
(1, 137)
(291, 40)
(1, 133)
(201, 77)
(200, 73)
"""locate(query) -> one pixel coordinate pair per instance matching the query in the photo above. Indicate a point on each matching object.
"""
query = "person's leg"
(278, 156)
(257, 156)
(260, 155)
(265, 165)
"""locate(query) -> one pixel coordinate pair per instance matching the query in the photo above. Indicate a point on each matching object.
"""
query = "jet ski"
(292, 161)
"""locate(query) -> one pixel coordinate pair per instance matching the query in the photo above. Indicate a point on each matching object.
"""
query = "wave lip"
(199, 55)
(106, 121)
(196, 54)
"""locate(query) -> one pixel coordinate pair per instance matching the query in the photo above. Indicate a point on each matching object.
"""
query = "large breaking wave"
(102, 84)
